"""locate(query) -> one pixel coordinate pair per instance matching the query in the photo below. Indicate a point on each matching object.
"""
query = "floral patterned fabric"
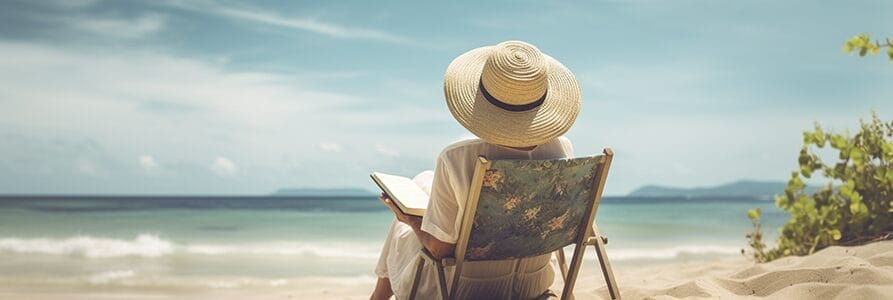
(531, 207)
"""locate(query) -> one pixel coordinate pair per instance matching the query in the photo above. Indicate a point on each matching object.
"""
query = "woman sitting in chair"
(519, 102)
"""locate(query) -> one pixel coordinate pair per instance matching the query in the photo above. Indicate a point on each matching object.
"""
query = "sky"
(243, 98)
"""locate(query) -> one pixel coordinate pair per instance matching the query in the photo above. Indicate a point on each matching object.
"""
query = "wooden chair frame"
(588, 237)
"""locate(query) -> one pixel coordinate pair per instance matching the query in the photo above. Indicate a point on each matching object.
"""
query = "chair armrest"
(592, 240)
(446, 261)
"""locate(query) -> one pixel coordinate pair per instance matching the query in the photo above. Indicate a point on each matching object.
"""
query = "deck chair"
(525, 208)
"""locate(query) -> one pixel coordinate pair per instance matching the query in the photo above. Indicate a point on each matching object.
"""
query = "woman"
(518, 102)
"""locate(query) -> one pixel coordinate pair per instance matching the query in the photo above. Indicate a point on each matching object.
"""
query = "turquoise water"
(101, 239)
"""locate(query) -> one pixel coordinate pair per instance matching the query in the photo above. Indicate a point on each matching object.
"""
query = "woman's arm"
(438, 248)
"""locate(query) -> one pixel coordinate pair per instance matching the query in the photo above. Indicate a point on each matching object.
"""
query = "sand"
(862, 272)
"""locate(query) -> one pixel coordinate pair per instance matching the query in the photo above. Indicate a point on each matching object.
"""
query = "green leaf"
(753, 214)
(838, 141)
(819, 137)
(856, 42)
(781, 201)
(857, 207)
(854, 208)
(850, 44)
(846, 191)
(864, 39)
(795, 184)
(874, 48)
(857, 156)
(835, 234)
(887, 149)
(806, 170)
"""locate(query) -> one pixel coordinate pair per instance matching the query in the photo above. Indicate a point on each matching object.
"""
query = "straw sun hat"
(512, 94)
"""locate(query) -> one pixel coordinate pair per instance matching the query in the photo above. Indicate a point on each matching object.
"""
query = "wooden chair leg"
(441, 279)
(571, 279)
(606, 268)
(417, 279)
(441, 276)
(562, 263)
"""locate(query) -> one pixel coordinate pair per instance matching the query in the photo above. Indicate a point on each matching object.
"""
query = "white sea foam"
(144, 245)
(221, 284)
(152, 246)
(290, 249)
(278, 282)
(111, 276)
(670, 253)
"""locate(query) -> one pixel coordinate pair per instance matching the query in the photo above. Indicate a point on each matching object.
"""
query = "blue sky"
(220, 97)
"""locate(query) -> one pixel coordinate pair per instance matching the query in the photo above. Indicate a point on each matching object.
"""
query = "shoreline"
(837, 272)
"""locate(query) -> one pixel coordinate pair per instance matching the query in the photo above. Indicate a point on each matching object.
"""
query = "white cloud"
(148, 163)
(385, 150)
(306, 24)
(86, 167)
(121, 28)
(136, 103)
(224, 167)
(134, 87)
(331, 147)
(71, 4)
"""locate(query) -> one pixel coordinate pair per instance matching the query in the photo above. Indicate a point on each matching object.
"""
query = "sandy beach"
(862, 272)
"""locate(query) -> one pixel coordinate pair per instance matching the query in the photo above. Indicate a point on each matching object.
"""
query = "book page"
(406, 194)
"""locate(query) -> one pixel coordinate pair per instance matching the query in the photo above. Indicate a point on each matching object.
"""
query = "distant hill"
(745, 188)
(324, 192)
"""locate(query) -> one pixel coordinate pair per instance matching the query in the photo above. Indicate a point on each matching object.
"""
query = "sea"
(224, 242)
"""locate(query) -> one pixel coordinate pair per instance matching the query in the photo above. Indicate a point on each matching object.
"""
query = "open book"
(408, 196)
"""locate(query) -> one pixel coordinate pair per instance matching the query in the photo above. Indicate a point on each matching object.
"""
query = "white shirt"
(505, 279)
(453, 173)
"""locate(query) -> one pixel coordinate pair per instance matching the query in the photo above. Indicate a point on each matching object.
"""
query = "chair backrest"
(531, 207)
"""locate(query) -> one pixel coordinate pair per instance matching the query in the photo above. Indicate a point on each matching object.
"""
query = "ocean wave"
(130, 279)
(144, 245)
(153, 246)
(110, 276)
(670, 253)
(289, 249)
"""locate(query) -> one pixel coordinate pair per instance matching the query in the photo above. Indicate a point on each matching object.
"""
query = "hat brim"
(491, 123)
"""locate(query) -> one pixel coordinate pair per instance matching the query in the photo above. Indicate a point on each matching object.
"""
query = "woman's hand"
(437, 248)
(408, 219)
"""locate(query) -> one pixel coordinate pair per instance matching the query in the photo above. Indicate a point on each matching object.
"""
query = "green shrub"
(862, 43)
(854, 207)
